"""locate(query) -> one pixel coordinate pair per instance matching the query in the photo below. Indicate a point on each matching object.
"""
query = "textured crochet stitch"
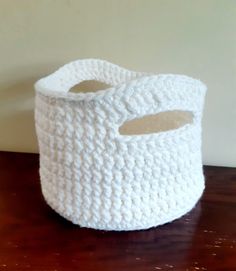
(96, 177)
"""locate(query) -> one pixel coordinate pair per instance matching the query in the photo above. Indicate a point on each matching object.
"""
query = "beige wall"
(197, 38)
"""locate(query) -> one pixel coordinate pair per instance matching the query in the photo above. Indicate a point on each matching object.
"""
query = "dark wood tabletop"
(34, 237)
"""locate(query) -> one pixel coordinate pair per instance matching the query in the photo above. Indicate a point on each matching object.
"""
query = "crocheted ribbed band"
(96, 177)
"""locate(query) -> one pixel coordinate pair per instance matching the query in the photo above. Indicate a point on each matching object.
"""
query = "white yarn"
(97, 178)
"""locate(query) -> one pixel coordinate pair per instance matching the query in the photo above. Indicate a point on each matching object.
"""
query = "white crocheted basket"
(96, 177)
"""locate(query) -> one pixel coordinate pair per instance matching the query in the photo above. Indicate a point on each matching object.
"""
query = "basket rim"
(44, 86)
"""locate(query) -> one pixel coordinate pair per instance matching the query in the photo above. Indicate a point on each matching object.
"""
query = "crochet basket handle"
(78, 71)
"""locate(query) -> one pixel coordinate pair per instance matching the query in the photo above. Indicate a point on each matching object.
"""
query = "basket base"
(156, 221)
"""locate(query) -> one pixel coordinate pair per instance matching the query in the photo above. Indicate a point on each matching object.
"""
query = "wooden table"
(33, 237)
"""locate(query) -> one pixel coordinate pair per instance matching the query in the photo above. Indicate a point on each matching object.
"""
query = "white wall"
(197, 38)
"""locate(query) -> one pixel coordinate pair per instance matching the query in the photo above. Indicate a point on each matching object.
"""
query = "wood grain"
(33, 237)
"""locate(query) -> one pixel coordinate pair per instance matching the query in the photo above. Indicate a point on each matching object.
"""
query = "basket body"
(97, 178)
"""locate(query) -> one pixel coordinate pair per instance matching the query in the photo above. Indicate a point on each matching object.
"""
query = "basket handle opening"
(89, 86)
(156, 123)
